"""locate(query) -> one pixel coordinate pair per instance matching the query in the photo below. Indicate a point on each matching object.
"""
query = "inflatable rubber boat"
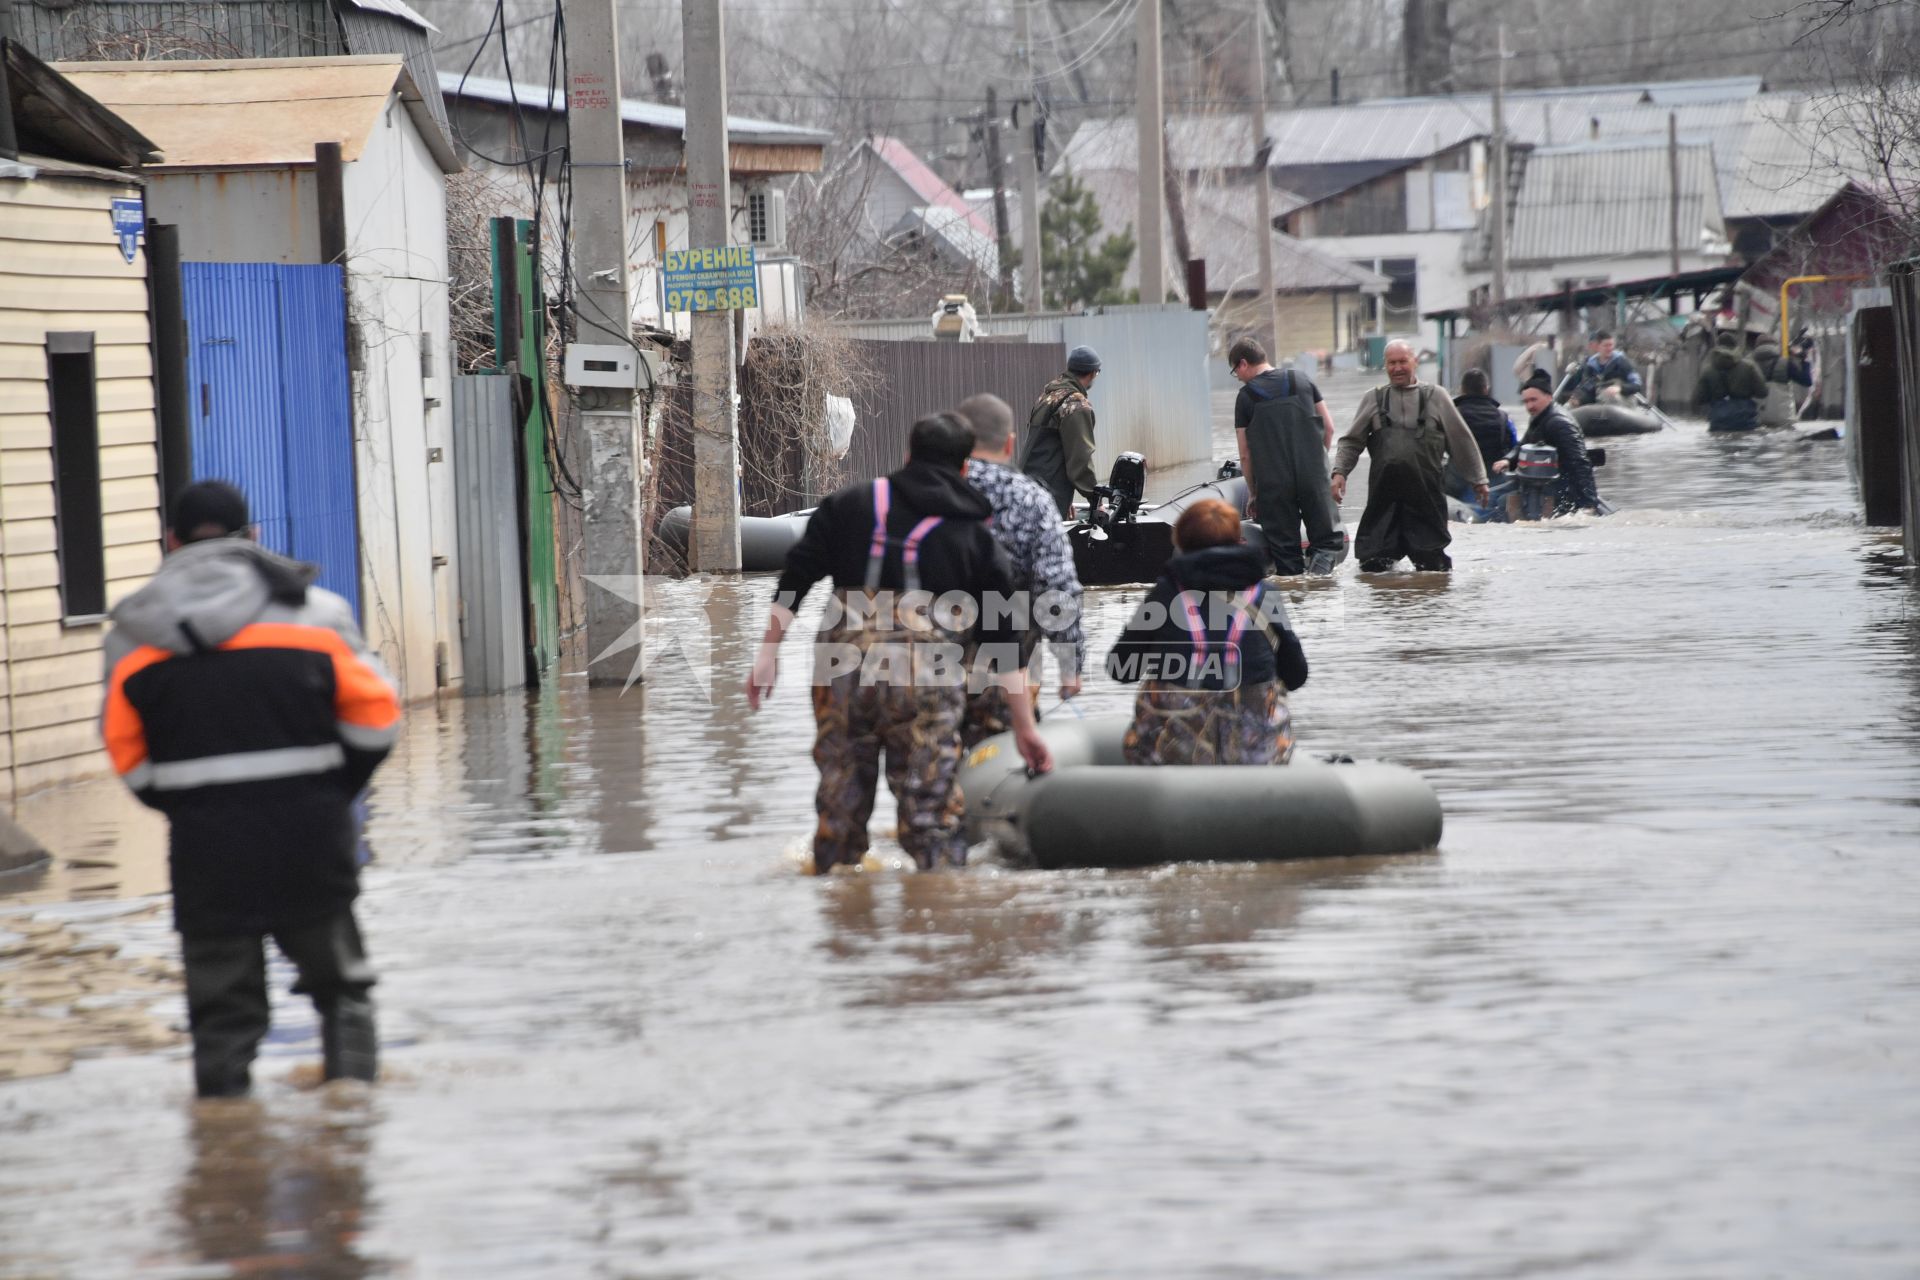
(1094, 810)
(764, 540)
(1132, 542)
(1617, 419)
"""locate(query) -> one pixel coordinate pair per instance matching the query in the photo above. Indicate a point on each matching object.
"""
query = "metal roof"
(1396, 128)
(1611, 200)
(1220, 228)
(393, 9)
(258, 112)
(1799, 150)
(647, 115)
(932, 189)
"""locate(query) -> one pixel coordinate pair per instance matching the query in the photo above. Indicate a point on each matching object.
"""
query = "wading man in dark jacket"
(1553, 425)
(917, 580)
(1730, 387)
(1059, 448)
(1492, 429)
(1408, 429)
(1284, 430)
(243, 704)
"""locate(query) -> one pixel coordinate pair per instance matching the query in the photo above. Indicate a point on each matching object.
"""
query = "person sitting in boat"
(1606, 369)
(1491, 427)
(1730, 386)
(1212, 652)
(1550, 424)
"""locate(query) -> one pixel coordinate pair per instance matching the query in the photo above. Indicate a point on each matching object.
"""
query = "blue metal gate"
(272, 411)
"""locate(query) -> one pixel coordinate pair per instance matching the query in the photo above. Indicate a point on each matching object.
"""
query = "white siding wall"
(397, 258)
(61, 269)
(1441, 279)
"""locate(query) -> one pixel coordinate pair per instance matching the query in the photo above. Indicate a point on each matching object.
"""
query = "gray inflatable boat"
(1094, 810)
(764, 540)
(1615, 419)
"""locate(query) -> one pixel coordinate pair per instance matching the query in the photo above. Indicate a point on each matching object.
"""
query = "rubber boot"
(349, 1043)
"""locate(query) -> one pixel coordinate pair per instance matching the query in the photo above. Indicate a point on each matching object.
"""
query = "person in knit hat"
(1059, 448)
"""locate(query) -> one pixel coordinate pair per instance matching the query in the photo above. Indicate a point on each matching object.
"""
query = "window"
(79, 538)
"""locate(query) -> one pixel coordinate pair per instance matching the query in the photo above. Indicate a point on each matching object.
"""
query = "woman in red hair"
(1212, 652)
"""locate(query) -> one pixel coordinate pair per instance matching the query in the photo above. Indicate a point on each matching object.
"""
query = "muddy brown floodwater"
(1649, 1012)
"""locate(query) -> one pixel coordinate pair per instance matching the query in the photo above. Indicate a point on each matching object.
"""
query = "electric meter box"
(595, 366)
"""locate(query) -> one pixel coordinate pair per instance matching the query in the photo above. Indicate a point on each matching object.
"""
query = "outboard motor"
(1124, 491)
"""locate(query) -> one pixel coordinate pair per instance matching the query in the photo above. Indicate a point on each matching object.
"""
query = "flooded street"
(1649, 1012)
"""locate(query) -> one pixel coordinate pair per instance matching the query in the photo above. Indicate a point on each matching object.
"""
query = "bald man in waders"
(1408, 428)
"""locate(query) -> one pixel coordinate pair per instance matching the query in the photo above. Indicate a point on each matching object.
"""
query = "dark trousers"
(227, 1004)
(1292, 492)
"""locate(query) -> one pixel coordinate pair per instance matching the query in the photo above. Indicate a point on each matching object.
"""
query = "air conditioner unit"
(767, 218)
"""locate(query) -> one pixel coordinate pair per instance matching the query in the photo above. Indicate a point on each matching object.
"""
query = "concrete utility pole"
(1673, 188)
(1151, 111)
(605, 441)
(997, 173)
(1269, 308)
(1026, 161)
(716, 434)
(1500, 177)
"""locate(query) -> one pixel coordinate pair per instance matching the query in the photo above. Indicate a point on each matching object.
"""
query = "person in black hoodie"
(911, 558)
(1554, 426)
(1491, 427)
(1212, 651)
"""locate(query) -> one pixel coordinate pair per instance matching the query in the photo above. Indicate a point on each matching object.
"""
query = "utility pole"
(1673, 189)
(1269, 309)
(997, 174)
(605, 440)
(1149, 115)
(716, 434)
(1500, 177)
(1027, 162)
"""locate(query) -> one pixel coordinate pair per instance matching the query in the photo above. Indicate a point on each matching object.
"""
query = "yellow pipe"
(1788, 283)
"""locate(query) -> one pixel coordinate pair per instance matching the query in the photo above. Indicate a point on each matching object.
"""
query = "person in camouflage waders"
(913, 565)
(1212, 651)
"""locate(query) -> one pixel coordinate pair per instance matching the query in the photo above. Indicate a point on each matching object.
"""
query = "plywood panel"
(65, 671)
(79, 705)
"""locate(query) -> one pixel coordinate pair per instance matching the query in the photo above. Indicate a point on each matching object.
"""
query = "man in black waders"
(1409, 428)
(1059, 448)
(1284, 429)
(243, 704)
(1730, 387)
(915, 570)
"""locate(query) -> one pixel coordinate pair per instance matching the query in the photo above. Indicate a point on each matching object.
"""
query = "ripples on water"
(1649, 1013)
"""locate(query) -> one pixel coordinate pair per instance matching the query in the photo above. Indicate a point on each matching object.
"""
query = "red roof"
(926, 183)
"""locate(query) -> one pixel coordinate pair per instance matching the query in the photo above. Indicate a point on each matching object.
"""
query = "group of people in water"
(950, 573)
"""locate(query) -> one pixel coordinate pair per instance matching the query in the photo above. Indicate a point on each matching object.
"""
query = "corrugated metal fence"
(267, 368)
(487, 503)
(1152, 393)
(919, 378)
